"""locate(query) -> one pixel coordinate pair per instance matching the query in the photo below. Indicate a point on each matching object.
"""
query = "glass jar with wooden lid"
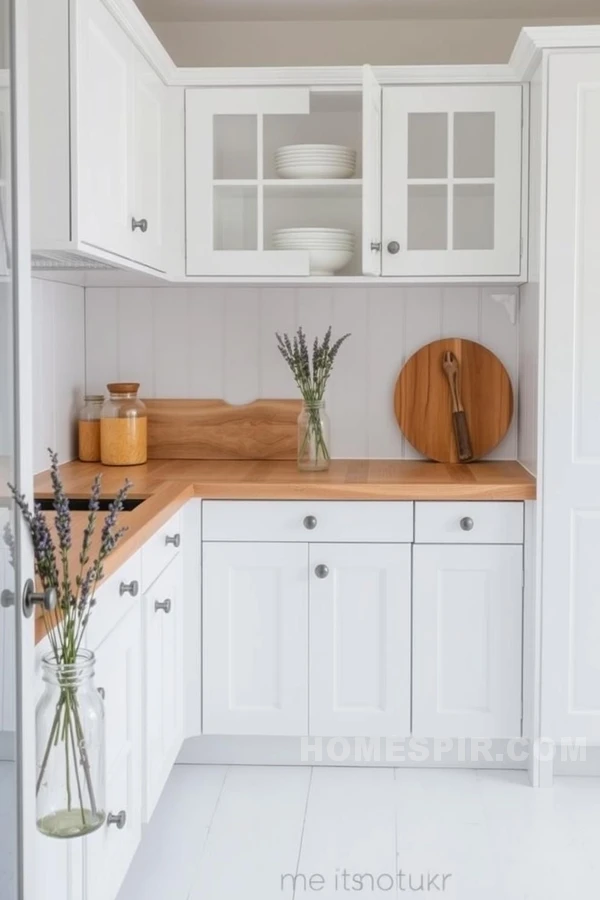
(124, 426)
(89, 428)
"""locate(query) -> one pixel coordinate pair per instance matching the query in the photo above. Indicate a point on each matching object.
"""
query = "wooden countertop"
(165, 485)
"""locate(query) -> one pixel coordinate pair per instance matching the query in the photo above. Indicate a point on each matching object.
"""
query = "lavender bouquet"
(69, 717)
(311, 373)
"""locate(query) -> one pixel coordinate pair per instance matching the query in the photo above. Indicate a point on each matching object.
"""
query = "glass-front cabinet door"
(452, 180)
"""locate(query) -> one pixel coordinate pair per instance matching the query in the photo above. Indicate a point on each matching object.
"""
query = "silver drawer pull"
(142, 224)
(119, 819)
(467, 524)
(174, 539)
(102, 693)
(129, 588)
(164, 606)
(310, 522)
(322, 571)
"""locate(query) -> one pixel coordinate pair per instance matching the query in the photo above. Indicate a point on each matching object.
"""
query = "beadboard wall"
(218, 342)
(59, 368)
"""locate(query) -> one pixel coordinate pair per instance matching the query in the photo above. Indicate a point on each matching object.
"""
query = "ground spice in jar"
(124, 441)
(89, 441)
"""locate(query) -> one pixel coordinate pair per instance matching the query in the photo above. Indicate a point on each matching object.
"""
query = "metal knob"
(142, 224)
(310, 522)
(7, 598)
(467, 523)
(46, 599)
(393, 247)
(376, 246)
(174, 539)
(322, 571)
(131, 588)
(119, 819)
(164, 605)
(102, 693)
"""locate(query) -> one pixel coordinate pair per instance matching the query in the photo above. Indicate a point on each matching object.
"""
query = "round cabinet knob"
(164, 606)
(142, 224)
(119, 819)
(322, 571)
(393, 247)
(174, 539)
(467, 523)
(129, 588)
(310, 522)
(46, 599)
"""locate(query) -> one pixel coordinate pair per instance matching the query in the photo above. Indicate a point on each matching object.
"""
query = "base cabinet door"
(360, 643)
(255, 627)
(109, 851)
(467, 641)
(163, 681)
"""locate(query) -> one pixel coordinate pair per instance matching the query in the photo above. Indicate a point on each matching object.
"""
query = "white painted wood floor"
(230, 833)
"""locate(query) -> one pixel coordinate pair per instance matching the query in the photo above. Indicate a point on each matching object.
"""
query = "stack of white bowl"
(329, 249)
(315, 161)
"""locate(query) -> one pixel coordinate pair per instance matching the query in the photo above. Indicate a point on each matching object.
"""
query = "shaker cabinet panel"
(360, 639)
(467, 641)
(255, 639)
(452, 180)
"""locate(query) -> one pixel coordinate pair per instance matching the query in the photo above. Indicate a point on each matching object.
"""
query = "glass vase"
(70, 752)
(313, 437)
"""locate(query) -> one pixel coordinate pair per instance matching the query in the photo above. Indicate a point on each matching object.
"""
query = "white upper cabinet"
(97, 131)
(452, 181)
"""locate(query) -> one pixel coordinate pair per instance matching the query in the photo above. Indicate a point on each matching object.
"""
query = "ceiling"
(327, 10)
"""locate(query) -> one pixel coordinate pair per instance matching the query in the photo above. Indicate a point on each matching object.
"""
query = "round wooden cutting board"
(423, 404)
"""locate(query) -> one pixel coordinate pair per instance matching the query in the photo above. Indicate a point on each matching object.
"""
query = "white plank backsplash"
(218, 342)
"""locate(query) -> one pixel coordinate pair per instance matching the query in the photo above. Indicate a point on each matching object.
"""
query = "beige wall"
(401, 42)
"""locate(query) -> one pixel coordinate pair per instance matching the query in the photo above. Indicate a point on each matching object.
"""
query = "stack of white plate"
(315, 161)
(329, 249)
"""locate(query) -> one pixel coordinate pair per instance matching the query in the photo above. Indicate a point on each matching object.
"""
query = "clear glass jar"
(70, 752)
(124, 427)
(89, 428)
(313, 437)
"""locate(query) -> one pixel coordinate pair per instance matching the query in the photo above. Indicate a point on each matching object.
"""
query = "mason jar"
(70, 750)
(313, 437)
(124, 427)
(89, 418)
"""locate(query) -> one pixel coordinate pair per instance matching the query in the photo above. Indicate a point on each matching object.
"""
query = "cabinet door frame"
(508, 104)
(288, 714)
(329, 717)
(503, 640)
(372, 184)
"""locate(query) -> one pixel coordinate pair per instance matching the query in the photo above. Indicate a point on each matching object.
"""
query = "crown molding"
(141, 34)
(532, 42)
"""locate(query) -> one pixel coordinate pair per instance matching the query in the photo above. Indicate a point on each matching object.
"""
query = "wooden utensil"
(459, 419)
(423, 407)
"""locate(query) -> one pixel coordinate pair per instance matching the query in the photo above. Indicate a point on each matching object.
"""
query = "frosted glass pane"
(473, 217)
(474, 144)
(427, 145)
(235, 222)
(234, 146)
(427, 217)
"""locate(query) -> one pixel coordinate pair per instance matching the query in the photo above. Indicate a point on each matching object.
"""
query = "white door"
(17, 692)
(571, 364)
(149, 99)
(255, 638)
(101, 120)
(452, 180)
(225, 184)
(371, 197)
(360, 639)
(467, 639)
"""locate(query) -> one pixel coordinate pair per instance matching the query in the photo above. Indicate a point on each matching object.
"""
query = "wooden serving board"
(422, 401)
(214, 429)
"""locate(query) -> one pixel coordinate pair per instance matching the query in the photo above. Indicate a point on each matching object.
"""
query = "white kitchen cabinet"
(467, 640)
(163, 684)
(452, 180)
(97, 130)
(255, 638)
(109, 851)
(360, 639)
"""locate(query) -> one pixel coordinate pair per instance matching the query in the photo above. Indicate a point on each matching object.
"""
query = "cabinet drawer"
(160, 549)
(469, 523)
(112, 605)
(327, 521)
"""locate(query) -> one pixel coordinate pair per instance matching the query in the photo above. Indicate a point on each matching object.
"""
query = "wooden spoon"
(464, 450)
